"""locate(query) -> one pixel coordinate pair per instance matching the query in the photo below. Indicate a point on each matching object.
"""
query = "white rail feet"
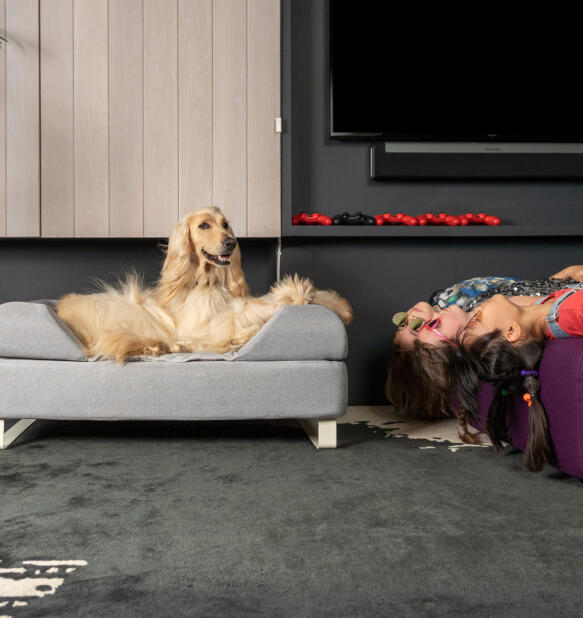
(7, 436)
(322, 432)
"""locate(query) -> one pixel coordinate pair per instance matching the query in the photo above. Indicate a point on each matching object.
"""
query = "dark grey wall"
(383, 275)
(32, 269)
(332, 176)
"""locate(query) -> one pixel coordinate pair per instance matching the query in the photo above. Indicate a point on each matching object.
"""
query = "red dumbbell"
(409, 220)
(451, 220)
(422, 219)
(296, 219)
(325, 220)
(436, 219)
(310, 219)
(380, 219)
(463, 219)
(396, 219)
(491, 220)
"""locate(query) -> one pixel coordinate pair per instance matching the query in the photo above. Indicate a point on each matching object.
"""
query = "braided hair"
(511, 369)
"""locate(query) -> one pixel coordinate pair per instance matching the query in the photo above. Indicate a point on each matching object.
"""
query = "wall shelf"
(398, 231)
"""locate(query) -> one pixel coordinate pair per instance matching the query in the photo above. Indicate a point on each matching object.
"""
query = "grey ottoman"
(293, 368)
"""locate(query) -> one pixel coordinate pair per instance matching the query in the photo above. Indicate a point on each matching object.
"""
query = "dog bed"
(561, 392)
(292, 368)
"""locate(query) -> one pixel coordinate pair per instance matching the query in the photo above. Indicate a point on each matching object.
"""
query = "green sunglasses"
(418, 324)
(402, 319)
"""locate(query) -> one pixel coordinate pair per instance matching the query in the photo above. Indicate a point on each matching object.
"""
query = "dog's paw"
(333, 301)
(294, 290)
(154, 350)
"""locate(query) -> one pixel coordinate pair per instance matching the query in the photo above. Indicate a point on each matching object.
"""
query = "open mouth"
(220, 260)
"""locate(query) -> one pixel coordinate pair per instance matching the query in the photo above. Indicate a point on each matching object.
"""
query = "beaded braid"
(510, 369)
(538, 445)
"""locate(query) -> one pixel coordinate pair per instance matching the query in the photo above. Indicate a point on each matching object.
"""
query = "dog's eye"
(225, 225)
(204, 226)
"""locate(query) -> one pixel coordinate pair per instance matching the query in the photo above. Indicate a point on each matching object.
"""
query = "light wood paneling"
(160, 116)
(56, 108)
(263, 106)
(2, 122)
(230, 111)
(148, 110)
(91, 118)
(22, 119)
(195, 100)
(126, 119)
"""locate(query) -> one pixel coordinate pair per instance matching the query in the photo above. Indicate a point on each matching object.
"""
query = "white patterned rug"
(395, 424)
(32, 579)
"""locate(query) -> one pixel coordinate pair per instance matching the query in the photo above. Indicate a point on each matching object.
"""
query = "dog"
(201, 302)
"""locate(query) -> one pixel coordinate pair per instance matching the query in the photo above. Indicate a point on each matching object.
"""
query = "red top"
(570, 317)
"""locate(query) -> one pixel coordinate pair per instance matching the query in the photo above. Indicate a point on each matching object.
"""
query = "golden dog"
(200, 303)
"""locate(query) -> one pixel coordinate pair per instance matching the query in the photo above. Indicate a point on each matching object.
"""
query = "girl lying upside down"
(503, 344)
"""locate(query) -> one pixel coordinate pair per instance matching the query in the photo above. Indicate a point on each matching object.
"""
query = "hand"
(573, 272)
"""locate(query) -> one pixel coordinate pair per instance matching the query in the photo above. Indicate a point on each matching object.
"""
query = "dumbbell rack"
(429, 231)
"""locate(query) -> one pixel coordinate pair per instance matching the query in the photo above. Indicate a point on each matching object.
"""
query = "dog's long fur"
(197, 304)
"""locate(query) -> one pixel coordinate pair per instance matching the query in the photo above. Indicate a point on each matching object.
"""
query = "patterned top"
(471, 292)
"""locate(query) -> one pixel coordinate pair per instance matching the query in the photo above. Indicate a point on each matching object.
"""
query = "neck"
(175, 285)
(533, 320)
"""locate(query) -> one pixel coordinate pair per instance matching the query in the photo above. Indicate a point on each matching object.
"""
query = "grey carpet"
(248, 519)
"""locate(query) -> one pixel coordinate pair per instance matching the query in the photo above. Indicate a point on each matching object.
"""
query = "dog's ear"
(235, 275)
(181, 260)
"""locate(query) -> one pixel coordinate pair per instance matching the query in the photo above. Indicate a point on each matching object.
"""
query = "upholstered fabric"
(180, 391)
(33, 330)
(307, 332)
(561, 392)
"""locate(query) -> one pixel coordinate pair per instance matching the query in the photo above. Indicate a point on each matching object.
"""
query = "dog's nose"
(229, 244)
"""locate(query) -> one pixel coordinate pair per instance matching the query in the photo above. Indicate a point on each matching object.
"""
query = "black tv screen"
(463, 72)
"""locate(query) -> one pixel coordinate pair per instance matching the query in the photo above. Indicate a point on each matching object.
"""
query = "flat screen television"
(463, 72)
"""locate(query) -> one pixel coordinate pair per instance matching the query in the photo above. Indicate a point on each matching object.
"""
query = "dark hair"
(418, 380)
(493, 359)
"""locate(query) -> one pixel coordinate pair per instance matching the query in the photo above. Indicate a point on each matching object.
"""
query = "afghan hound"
(201, 302)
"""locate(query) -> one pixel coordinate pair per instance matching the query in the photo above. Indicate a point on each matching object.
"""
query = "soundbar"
(459, 161)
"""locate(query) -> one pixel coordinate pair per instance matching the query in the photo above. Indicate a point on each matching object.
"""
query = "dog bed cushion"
(308, 332)
(33, 330)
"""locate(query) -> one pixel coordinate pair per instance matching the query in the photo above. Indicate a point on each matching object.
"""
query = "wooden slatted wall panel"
(2, 122)
(91, 118)
(56, 108)
(149, 109)
(22, 119)
(126, 119)
(230, 111)
(195, 101)
(263, 106)
(160, 116)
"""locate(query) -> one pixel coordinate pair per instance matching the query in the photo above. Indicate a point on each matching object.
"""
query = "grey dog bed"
(293, 368)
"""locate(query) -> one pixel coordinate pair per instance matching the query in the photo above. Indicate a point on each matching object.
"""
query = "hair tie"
(528, 398)
(527, 372)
